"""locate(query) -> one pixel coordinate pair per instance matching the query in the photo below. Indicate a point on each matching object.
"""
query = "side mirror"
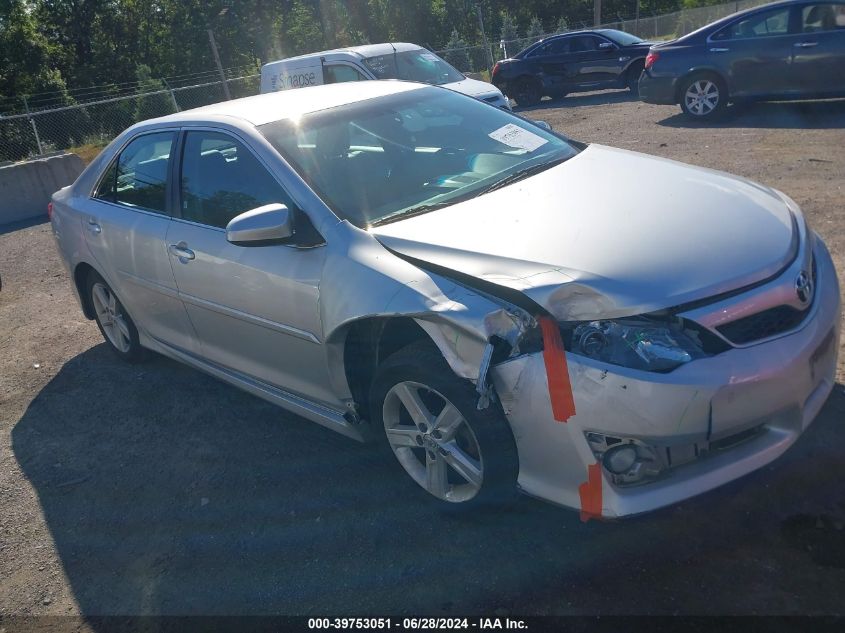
(605, 46)
(261, 226)
(543, 125)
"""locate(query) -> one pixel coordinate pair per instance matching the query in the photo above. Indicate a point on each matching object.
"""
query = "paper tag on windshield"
(429, 57)
(515, 136)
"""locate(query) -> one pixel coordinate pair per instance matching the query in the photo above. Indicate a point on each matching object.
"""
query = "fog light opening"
(620, 459)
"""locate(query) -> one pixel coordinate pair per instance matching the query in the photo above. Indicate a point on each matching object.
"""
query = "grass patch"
(88, 152)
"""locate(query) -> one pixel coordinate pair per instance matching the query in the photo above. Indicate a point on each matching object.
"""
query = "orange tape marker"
(590, 492)
(557, 373)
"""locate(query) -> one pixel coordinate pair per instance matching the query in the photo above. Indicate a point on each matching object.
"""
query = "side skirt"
(324, 416)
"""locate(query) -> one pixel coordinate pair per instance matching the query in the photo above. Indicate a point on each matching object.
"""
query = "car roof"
(291, 104)
(365, 50)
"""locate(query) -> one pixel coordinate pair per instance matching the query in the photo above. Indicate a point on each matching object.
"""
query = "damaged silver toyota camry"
(502, 307)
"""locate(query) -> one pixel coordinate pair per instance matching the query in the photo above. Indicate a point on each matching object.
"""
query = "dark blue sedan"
(785, 50)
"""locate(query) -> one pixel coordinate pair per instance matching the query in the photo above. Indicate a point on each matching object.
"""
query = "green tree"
(562, 25)
(456, 53)
(535, 29)
(509, 30)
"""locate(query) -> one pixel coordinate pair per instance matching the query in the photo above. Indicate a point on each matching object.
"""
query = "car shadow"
(168, 492)
(828, 114)
(576, 100)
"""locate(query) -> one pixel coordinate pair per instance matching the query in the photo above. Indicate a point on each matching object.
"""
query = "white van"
(374, 61)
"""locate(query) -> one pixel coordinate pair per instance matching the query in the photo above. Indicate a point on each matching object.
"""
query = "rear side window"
(340, 73)
(138, 178)
(559, 46)
(763, 24)
(221, 179)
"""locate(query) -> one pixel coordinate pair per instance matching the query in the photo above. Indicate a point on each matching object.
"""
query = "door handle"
(805, 44)
(624, 58)
(93, 227)
(719, 50)
(181, 251)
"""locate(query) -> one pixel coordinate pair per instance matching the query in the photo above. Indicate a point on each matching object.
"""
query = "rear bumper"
(771, 392)
(659, 90)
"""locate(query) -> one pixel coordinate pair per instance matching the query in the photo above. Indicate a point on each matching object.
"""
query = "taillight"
(495, 69)
(650, 59)
(50, 210)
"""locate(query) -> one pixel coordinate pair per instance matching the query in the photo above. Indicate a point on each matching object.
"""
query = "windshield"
(417, 65)
(621, 38)
(384, 159)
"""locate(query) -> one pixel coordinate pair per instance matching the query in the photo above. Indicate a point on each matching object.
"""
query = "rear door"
(818, 58)
(553, 64)
(125, 228)
(255, 308)
(755, 53)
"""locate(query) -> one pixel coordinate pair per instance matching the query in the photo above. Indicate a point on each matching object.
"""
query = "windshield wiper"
(522, 174)
(407, 213)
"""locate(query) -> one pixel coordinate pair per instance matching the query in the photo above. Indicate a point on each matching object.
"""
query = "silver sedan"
(501, 307)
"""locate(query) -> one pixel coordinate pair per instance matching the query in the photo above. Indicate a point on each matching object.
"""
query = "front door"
(255, 308)
(596, 60)
(755, 53)
(818, 59)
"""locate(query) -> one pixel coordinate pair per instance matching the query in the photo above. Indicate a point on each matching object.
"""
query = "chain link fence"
(44, 131)
(27, 131)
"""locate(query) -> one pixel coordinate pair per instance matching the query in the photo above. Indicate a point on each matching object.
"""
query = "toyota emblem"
(804, 287)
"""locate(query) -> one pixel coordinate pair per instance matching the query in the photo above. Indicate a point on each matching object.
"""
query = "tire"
(703, 97)
(462, 457)
(527, 92)
(114, 322)
(633, 78)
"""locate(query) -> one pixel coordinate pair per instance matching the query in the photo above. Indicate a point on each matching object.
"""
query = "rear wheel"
(114, 322)
(527, 92)
(703, 97)
(462, 457)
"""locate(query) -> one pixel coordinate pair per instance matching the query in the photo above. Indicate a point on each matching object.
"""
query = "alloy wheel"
(110, 315)
(433, 442)
(702, 97)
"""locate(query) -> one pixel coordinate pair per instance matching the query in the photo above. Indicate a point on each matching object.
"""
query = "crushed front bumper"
(765, 394)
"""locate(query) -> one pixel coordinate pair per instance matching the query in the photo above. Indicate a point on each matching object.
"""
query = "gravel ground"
(153, 489)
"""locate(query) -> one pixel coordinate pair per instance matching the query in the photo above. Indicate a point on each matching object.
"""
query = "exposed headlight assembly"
(638, 344)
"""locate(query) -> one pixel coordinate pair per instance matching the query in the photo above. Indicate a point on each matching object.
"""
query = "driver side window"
(221, 179)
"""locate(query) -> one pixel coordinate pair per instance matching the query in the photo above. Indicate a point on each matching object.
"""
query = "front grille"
(762, 325)
(769, 322)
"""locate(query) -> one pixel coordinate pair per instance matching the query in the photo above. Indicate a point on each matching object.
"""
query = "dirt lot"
(155, 489)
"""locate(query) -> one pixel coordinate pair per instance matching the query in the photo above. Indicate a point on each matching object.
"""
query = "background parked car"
(793, 49)
(574, 62)
(397, 60)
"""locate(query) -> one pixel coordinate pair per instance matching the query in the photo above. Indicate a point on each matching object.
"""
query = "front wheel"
(703, 97)
(462, 457)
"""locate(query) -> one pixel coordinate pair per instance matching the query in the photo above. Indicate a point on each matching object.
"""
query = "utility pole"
(596, 12)
(219, 65)
(637, 19)
(487, 51)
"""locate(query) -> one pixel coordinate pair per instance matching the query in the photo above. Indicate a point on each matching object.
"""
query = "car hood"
(609, 233)
(473, 87)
